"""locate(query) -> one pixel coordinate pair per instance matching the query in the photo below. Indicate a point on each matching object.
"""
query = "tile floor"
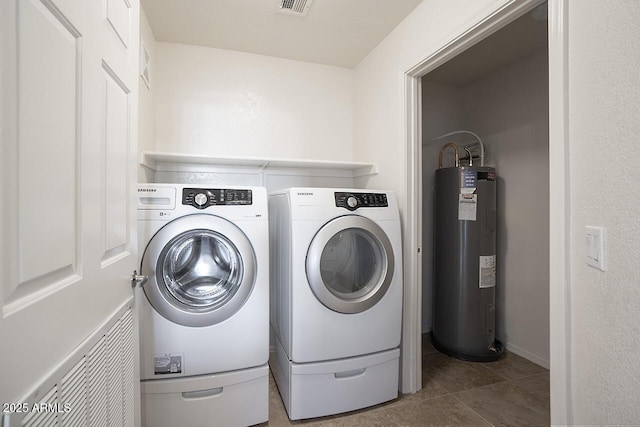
(511, 391)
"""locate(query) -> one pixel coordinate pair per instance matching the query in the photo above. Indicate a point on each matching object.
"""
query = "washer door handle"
(138, 279)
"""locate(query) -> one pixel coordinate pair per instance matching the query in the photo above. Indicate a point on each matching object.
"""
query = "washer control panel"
(202, 198)
(353, 201)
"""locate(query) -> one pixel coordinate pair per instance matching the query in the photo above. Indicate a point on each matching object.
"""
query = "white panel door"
(68, 86)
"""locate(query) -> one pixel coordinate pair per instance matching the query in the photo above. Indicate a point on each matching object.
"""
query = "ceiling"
(334, 32)
(523, 37)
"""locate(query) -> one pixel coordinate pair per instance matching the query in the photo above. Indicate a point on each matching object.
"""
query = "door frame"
(559, 334)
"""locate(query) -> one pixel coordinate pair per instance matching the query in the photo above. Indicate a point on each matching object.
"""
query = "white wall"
(604, 134)
(603, 52)
(224, 103)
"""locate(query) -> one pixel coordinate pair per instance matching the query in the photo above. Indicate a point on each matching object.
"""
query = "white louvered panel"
(97, 384)
(73, 396)
(114, 375)
(128, 362)
(38, 418)
(94, 387)
(44, 419)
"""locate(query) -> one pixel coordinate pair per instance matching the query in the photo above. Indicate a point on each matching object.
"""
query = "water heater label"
(468, 179)
(167, 363)
(487, 271)
(467, 207)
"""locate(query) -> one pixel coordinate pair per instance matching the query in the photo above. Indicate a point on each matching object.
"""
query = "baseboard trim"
(527, 355)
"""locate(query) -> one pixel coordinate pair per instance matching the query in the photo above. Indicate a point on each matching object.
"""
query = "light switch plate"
(595, 247)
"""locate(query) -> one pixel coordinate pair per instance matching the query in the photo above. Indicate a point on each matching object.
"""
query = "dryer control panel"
(353, 201)
(202, 198)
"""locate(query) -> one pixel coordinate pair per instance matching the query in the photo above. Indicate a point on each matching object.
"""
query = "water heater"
(465, 262)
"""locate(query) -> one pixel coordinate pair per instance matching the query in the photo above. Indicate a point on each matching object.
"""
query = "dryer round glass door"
(201, 270)
(350, 264)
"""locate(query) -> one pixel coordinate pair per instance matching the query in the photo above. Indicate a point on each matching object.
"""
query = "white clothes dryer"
(204, 339)
(336, 298)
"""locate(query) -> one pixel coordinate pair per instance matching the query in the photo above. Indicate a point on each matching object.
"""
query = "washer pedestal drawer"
(318, 389)
(226, 399)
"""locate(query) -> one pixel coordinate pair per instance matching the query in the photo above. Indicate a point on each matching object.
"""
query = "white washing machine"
(336, 298)
(204, 314)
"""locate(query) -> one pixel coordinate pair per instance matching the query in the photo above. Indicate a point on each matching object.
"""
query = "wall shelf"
(178, 162)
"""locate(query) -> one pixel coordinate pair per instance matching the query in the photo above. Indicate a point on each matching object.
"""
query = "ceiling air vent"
(295, 7)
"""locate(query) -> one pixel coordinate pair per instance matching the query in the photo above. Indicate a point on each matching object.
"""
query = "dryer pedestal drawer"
(226, 399)
(331, 387)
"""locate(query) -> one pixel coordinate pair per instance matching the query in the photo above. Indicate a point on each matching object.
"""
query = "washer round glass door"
(201, 270)
(350, 264)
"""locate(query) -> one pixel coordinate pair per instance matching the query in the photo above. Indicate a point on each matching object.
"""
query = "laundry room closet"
(498, 89)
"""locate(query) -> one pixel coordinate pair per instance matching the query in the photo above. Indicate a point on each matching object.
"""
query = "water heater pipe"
(468, 133)
(455, 151)
(468, 150)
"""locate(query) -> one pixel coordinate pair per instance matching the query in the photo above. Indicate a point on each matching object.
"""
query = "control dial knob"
(200, 199)
(352, 202)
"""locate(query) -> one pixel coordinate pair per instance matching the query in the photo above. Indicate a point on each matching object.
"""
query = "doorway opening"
(552, 174)
(498, 89)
